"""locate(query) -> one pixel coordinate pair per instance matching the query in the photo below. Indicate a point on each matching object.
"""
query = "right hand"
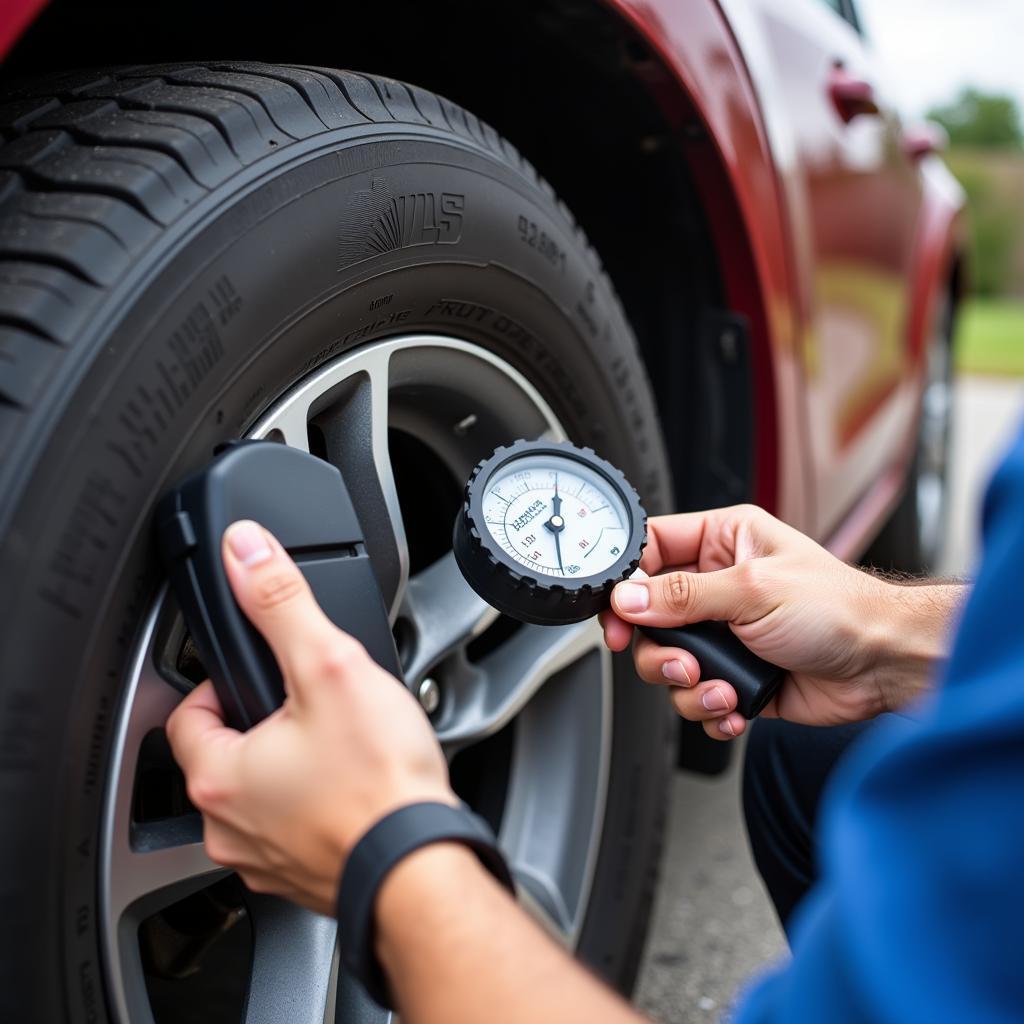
(783, 595)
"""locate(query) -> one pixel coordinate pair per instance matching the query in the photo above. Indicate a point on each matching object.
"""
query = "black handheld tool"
(547, 530)
(303, 501)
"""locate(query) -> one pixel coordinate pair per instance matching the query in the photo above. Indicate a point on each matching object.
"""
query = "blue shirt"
(919, 915)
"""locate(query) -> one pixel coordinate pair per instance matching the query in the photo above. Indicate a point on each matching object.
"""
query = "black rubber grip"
(259, 480)
(722, 655)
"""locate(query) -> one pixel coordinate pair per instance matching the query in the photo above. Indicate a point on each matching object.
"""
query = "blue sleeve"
(919, 915)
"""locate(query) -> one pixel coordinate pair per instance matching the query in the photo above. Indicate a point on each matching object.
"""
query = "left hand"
(284, 803)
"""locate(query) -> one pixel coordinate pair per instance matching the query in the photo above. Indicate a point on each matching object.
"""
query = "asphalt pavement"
(714, 927)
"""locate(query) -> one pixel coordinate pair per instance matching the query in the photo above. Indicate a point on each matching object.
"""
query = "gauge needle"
(556, 524)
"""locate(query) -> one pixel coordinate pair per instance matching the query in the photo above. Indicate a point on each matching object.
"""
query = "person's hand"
(285, 802)
(854, 645)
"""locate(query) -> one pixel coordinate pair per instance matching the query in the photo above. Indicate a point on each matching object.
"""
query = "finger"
(668, 666)
(673, 540)
(617, 633)
(196, 726)
(679, 598)
(713, 539)
(728, 727)
(704, 702)
(274, 594)
(226, 845)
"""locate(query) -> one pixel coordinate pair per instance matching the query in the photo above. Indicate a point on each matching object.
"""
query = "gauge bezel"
(624, 566)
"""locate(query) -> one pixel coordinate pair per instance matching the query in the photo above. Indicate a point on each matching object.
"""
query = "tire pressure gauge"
(545, 532)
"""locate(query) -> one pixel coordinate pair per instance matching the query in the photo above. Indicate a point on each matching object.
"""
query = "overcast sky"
(932, 47)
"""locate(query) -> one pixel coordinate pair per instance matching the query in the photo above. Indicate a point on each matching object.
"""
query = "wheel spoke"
(292, 960)
(501, 685)
(347, 403)
(540, 898)
(170, 864)
(152, 864)
(351, 1004)
(555, 806)
(147, 866)
(445, 612)
(295, 972)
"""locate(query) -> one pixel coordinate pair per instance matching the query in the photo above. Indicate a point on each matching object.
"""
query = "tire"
(180, 246)
(913, 538)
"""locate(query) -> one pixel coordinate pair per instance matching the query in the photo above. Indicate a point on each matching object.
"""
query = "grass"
(990, 338)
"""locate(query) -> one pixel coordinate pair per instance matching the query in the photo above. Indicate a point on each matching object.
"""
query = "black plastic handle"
(722, 655)
(304, 502)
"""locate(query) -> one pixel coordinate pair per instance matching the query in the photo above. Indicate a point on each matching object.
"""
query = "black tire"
(913, 537)
(179, 245)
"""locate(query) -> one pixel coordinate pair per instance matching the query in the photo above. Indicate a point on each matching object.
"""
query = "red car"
(689, 234)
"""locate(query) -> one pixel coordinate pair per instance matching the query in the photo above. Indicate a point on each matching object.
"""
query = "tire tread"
(95, 164)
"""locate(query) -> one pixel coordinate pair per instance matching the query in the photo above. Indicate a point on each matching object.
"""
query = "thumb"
(273, 593)
(680, 598)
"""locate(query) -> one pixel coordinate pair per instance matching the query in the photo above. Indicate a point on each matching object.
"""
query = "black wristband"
(379, 850)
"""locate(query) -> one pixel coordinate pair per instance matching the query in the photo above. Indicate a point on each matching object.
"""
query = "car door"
(853, 199)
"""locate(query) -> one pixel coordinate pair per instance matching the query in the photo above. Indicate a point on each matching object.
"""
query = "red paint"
(17, 16)
(733, 168)
(835, 246)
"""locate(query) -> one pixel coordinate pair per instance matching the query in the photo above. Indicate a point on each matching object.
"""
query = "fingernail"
(714, 700)
(676, 671)
(726, 726)
(632, 597)
(248, 543)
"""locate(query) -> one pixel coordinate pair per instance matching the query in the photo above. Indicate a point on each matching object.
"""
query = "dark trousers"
(784, 774)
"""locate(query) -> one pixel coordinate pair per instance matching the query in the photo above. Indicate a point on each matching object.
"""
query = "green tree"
(985, 120)
(994, 223)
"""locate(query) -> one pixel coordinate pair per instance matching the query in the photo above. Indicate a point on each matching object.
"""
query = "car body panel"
(868, 241)
(862, 198)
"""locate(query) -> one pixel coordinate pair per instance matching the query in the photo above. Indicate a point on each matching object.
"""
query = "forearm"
(458, 950)
(910, 634)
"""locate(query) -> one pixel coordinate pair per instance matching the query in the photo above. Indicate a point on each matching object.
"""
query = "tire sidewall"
(260, 290)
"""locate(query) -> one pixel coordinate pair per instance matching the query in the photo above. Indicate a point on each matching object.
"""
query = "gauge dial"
(546, 531)
(556, 516)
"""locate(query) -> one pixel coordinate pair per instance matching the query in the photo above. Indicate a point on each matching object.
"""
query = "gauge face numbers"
(556, 516)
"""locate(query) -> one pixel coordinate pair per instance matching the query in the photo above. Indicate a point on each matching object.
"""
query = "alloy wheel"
(523, 712)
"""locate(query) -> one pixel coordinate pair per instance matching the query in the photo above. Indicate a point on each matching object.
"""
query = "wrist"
(907, 635)
(421, 891)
